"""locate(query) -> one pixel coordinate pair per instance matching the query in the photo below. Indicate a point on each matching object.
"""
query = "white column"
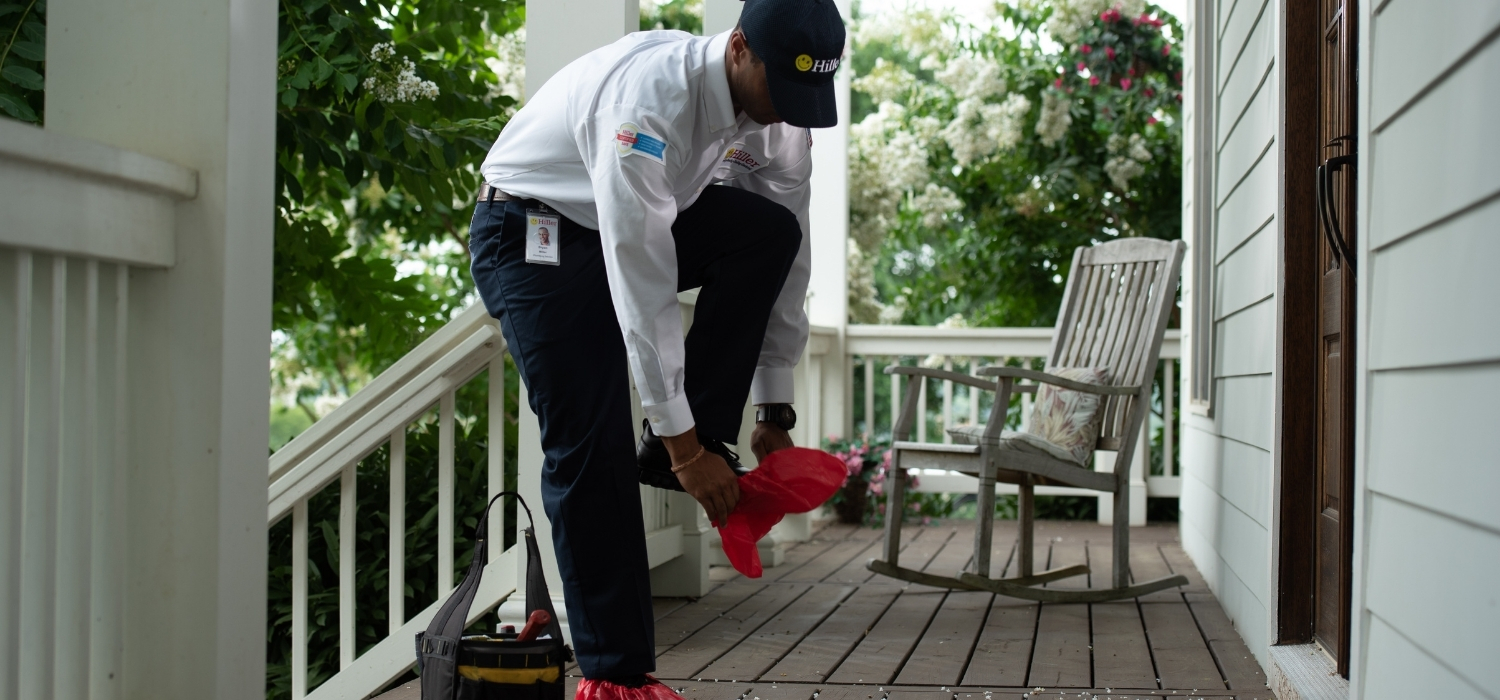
(720, 15)
(559, 31)
(192, 82)
(828, 303)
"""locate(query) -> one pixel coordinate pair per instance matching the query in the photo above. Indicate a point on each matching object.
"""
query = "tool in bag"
(480, 667)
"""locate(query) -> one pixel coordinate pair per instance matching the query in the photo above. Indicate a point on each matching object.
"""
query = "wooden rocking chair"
(1114, 313)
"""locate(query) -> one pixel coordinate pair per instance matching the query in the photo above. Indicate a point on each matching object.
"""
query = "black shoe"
(656, 464)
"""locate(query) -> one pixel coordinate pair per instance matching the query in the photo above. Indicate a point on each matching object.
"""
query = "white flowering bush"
(394, 78)
(980, 157)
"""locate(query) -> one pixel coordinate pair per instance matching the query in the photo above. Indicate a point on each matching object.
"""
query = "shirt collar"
(716, 96)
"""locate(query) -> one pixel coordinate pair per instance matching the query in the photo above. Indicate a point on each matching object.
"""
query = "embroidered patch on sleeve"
(629, 139)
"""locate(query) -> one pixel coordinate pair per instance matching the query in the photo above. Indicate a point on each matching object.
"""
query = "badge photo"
(543, 237)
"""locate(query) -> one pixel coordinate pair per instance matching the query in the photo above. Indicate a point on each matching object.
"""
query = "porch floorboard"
(821, 626)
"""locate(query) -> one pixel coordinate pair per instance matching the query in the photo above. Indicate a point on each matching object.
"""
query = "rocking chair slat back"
(1117, 301)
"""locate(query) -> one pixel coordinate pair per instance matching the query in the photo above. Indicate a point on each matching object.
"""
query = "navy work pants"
(560, 325)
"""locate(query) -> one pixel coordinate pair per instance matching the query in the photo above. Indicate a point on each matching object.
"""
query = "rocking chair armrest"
(1043, 377)
(955, 377)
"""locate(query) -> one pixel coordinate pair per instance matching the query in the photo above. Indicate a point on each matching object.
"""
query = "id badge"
(543, 237)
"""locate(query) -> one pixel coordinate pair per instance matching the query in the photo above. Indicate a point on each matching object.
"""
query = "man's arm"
(786, 181)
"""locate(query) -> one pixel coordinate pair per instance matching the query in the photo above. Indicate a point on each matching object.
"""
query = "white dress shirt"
(623, 139)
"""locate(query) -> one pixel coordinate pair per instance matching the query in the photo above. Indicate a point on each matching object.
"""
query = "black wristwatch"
(778, 414)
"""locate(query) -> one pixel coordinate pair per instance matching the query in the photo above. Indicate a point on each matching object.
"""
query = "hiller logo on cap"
(806, 63)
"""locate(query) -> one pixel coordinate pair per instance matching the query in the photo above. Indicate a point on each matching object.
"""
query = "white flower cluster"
(935, 202)
(1055, 119)
(887, 160)
(1069, 17)
(399, 82)
(885, 82)
(509, 65)
(979, 129)
(918, 31)
(1127, 159)
(972, 77)
(864, 307)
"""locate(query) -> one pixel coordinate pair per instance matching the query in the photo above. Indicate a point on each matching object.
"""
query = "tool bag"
(480, 667)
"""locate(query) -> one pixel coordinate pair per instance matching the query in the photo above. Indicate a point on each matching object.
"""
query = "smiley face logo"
(804, 63)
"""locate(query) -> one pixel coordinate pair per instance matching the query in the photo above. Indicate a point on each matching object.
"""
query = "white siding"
(1428, 538)
(1227, 485)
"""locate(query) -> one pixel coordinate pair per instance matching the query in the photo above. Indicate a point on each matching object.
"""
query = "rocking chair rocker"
(1114, 313)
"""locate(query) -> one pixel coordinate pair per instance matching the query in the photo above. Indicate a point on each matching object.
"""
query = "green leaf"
(17, 108)
(324, 69)
(350, 81)
(30, 50)
(289, 97)
(35, 31)
(24, 77)
(7, 9)
(339, 22)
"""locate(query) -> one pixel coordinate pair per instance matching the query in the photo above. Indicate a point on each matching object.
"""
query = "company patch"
(742, 158)
(629, 139)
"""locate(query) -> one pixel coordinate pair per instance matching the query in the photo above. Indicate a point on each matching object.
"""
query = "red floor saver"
(604, 690)
(792, 480)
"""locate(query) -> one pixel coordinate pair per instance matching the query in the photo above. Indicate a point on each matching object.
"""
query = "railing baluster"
(895, 397)
(14, 467)
(947, 402)
(1168, 460)
(397, 558)
(869, 395)
(922, 409)
(107, 637)
(496, 457)
(445, 494)
(299, 599)
(347, 505)
(1026, 400)
(973, 394)
(75, 478)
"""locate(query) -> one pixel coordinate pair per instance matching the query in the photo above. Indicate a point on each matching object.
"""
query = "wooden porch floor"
(822, 626)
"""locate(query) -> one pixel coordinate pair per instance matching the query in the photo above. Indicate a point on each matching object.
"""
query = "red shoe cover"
(792, 480)
(605, 690)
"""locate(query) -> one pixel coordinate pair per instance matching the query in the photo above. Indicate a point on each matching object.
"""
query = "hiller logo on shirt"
(741, 157)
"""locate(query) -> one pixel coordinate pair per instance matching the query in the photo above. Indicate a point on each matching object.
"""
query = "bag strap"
(452, 618)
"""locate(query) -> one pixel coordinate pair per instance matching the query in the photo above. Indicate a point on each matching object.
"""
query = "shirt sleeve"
(628, 152)
(786, 180)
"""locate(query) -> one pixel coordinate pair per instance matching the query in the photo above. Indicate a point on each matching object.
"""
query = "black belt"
(493, 194)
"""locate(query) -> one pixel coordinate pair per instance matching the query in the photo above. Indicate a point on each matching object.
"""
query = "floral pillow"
(1066, 418)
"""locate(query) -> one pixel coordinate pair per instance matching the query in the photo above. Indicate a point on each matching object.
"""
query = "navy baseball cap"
(802, 43)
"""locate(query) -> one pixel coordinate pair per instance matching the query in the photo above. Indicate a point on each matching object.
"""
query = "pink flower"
(1131, 71)
(1110, 52)
(1179, 97)
(1166, 51)
(1110, 15)
(1150, 92)
(1058, 83)
(1150, 120)
(1082, 66)
(1124, 83)
(1086, 49)
(1093, 81)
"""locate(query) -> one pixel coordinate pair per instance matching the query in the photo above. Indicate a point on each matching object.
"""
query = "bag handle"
(447, 627)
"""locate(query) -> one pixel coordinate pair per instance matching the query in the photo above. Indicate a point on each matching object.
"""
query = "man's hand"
(708, 479)
(768, 438)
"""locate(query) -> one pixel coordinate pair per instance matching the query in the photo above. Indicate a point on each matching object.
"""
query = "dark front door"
(1333, 549)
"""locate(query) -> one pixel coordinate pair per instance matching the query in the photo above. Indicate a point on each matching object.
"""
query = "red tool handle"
(534, 625)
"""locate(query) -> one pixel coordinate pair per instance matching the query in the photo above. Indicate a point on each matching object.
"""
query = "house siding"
(1226, 503)
(1428, 535)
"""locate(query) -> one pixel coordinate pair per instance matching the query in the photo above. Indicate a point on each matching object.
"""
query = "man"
(660, 163)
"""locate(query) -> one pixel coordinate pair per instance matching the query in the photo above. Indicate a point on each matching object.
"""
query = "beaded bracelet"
(689, 463)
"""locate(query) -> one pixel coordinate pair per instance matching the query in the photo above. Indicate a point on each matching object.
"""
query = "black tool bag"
(480, 667)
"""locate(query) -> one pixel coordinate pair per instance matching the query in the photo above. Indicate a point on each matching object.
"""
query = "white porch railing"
(838, 361)
(378, 415)
(79, 218)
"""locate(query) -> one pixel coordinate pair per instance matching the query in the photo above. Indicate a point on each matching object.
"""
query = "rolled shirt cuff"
(670, 417)
(772, 385)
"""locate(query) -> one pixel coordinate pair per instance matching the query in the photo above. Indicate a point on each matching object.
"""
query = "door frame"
(1295, 461)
